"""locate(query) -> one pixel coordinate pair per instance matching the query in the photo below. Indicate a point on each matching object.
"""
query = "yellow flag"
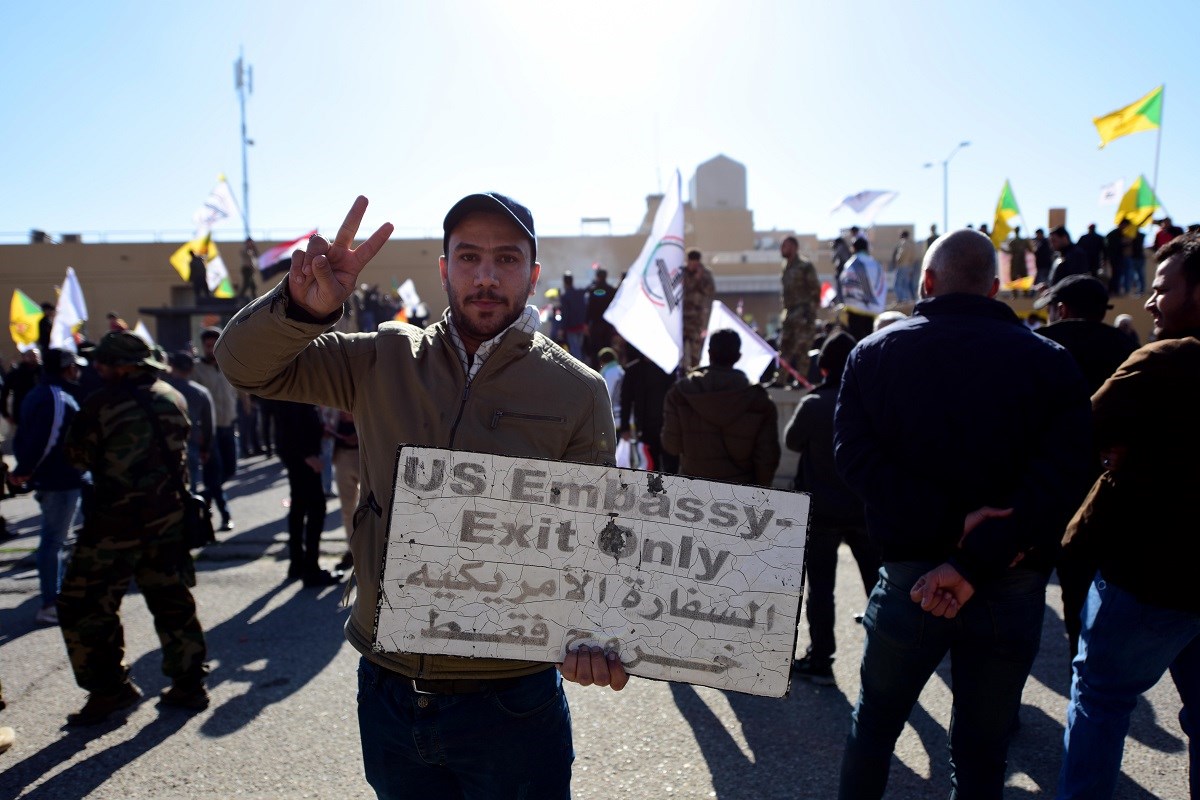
(1142, 115)
(1006, 209)
(23, 318)
(1137, 205)
(217, 275)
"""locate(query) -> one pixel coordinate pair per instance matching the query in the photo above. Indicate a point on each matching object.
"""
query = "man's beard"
(467, 326)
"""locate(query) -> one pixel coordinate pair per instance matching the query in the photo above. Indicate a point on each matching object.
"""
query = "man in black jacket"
(966, 507)
(643, 390)
(1072, 260)
(837, 513)
(298, 435)
(1077, 307)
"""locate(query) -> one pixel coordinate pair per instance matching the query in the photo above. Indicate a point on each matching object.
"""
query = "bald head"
(963, 261)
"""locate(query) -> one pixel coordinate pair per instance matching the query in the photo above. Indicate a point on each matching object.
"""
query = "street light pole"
(946, 185)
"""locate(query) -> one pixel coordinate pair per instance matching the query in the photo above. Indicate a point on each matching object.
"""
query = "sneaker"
(347, 562)
(99, 706)
(226, 525)
(809, 671)
(189, 694)
(46, 616)
(323, 577)
(7, 737)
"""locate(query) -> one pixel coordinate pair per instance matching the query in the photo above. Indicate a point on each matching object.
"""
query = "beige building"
(135, 280)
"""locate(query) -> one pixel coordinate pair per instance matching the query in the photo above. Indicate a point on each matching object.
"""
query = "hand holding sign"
(323, 275)
(589, 665)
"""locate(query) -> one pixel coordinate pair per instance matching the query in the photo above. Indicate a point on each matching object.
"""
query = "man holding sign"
(478, 380)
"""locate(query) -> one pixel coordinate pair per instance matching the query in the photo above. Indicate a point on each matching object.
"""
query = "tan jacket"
(406, 385)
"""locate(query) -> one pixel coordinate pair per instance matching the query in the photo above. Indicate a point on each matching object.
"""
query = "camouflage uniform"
(698, 293)
(132, 529)
(801, 294)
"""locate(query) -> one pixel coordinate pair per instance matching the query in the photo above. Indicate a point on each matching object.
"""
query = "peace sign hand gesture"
(323, 275)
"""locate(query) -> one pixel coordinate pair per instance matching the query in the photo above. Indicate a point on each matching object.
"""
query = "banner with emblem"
(648, 308)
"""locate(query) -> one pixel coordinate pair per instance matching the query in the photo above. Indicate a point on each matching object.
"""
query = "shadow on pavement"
(795, 743)
(84, 777)
(271, 656)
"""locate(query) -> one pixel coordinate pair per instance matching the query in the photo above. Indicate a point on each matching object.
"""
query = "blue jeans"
(1135, 275)
(512, 743)
(1125, 648)
(220, 467)
(59, 508)
(905, 285)
(575, 344)
(327, 466)
(992, 644)
(193, 467)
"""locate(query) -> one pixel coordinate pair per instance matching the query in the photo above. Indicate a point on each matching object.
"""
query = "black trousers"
(306, 517)
(821, 565)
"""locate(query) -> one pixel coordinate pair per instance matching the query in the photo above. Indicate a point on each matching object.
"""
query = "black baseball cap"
(1082, 293)
(181, 359)
(492, 202)
(58, 360)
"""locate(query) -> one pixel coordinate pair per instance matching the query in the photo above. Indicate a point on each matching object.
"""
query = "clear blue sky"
(118, 117)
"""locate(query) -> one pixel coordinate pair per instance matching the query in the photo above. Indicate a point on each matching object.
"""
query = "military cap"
(126, 347)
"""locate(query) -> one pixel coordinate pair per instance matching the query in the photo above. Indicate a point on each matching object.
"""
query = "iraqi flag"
(828, 295)
(277, 259)
(648, 308)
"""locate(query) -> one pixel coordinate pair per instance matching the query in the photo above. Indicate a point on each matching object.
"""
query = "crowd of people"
(102, 437)
(955, 516)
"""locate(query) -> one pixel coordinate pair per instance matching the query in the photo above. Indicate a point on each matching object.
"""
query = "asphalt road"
(282, 722)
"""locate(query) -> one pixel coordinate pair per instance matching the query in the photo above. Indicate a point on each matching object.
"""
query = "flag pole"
(243, 81)
(1158, 139)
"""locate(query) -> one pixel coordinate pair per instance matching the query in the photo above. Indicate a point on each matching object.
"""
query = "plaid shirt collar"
(526, 323)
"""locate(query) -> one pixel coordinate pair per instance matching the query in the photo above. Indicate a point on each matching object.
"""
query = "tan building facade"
(132, 279)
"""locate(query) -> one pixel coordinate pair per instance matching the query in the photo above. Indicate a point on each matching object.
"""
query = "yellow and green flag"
(1137, 205)
(23, 318)
(216, 274)
(1006, 210)
(1142, 115)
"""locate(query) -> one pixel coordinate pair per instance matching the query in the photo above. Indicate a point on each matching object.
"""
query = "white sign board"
(497, 557)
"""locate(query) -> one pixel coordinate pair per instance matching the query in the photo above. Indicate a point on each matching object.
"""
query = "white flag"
(1110, 194)
(408, 294)
(867, 204)
(219, 205)
(757, 354)
(648, 308)
(142, 332)
(215, 271)
(70, 311)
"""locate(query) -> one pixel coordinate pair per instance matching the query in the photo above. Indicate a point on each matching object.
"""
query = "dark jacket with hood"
(46, 414)
(721, 427)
